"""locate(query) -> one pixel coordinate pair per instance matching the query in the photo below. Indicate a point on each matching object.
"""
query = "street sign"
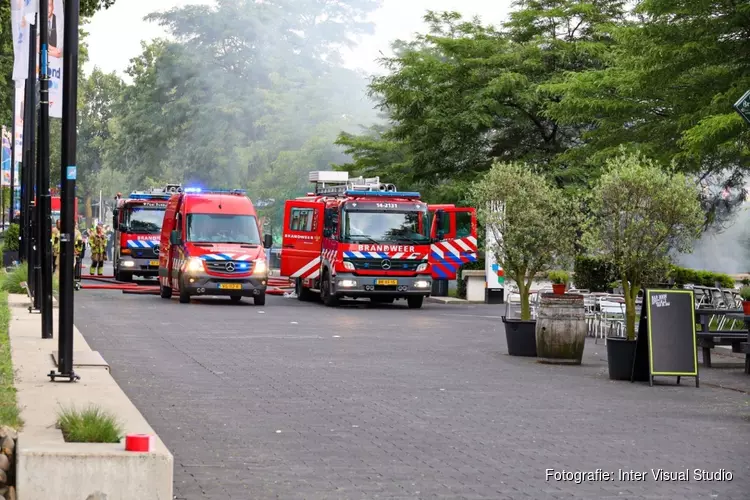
(743, 106)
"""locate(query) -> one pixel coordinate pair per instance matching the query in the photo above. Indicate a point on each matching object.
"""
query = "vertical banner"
(18, 132)
(493, 270)
(20, 33)
(7, 159)
(55, 25)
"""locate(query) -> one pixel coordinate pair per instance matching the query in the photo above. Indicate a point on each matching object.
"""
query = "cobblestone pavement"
(299, 401)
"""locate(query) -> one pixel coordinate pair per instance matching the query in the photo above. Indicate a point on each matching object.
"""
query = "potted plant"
(11, 245)
(533, 228)
(745, 294)
(559, 281)
(641, 213)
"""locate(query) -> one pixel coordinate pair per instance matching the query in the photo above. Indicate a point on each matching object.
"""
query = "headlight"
(347, 283)
(422, 284)
(348, 265)
(194, 264)
(260, 267)
(422, 267)
(128, 263)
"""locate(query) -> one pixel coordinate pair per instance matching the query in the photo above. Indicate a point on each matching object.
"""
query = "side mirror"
(437, 222)
(267, 241)
(175, 238)
(327, 233)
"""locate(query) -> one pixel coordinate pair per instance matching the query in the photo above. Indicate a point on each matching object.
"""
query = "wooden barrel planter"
(561, 329)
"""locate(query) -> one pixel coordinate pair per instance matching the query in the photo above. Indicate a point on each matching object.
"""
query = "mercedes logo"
(229, 267)
(156, 249)
(385, 264)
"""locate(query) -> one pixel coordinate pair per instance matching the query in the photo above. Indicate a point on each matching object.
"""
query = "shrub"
(593, 273)
(12, 234)
(461, 283)
(558, 277)
(92, 425)
(11, 282)
(745, 293)
(683, 276)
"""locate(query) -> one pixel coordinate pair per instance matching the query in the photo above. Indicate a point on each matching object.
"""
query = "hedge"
(592, 273)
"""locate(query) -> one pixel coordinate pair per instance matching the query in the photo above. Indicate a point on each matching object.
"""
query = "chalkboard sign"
(669, 318)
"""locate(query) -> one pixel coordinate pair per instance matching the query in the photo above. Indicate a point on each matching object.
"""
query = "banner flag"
(6, 157)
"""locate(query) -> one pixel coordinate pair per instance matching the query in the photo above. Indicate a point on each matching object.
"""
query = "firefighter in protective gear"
(98, 244)
(56, 246)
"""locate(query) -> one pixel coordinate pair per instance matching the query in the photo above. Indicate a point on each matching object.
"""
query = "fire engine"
(55, 207)
(360, 238)
(137, 222)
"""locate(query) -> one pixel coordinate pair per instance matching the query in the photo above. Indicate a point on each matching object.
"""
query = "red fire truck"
(56, 206)
(137, 222)
(363, 238)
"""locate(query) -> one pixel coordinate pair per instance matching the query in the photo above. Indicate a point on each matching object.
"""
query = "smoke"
(724, 250)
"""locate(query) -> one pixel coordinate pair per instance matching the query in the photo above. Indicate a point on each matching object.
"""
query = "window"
(383, 227)
(221, 228)
(302, 219)
(331, 220)
(463, 224)
(144, 220)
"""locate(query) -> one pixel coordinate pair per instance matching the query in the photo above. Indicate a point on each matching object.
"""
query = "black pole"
(28, 148)
(13, 162)
(44, 228)
(67, 196)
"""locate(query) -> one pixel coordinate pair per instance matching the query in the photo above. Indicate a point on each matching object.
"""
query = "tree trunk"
(525, 306)
(630, 292)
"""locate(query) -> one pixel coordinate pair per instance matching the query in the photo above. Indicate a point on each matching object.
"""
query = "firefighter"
(79, 248)
(56, 246)
(98, 244)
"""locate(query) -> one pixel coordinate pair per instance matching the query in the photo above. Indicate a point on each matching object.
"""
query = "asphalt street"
(296, 400)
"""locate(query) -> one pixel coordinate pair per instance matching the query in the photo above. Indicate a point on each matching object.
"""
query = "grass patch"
(9, 413)
(11, 282)
(92, 425)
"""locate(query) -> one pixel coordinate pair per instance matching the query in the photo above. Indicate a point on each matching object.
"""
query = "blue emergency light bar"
(213, 191)
(149, 196)
(385, 194)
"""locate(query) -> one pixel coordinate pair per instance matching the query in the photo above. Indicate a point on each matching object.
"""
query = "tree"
(465, 94)
(531, 221)
(641, 214)
(667, 90)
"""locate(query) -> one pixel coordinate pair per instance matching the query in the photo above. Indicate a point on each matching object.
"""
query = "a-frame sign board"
(666, 339)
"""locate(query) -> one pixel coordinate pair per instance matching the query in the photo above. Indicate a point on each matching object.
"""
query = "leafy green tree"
(667, 90)
(641, 214)
(532, 223)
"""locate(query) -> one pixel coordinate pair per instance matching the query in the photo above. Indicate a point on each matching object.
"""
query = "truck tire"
(260, 300)
(123, 276)
(415, 302)
(303, 294)
(184, 295)
(165, 292)
(326, 296)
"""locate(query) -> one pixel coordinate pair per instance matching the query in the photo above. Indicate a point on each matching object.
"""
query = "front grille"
(144, 253)
(220, 266)
(396, 264)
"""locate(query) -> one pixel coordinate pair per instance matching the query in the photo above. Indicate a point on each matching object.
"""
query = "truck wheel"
(326, 297)
(165, 292)
(184, 295)
(303, 294)
(122, 276)
(415, 302)
(260, 300)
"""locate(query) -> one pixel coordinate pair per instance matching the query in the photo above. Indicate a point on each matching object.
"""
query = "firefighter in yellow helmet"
(98, 244)
(56, 246)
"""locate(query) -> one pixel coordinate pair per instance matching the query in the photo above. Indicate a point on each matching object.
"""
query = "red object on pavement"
(139, 442)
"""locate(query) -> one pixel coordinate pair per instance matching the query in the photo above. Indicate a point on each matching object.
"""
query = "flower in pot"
(641, 214)
(532, 223)
(745, 294)
(559, 281)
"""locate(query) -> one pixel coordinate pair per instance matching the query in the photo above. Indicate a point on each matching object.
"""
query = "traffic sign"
(743, 106)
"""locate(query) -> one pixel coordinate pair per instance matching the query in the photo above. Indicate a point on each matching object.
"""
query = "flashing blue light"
(149, 196)
(191, 190)
(214, 191)
(243, 266)
(385, 194)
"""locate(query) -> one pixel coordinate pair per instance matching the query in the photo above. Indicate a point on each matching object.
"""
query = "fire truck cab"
(137, 222)
(362, 238)
(211, 245)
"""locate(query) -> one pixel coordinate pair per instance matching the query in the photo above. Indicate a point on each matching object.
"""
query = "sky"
(115, 34)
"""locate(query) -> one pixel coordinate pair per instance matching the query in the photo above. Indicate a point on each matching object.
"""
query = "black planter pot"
(620, 353)
(521, 337)
(9, 256)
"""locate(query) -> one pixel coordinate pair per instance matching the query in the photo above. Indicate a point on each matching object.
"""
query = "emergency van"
(136, 221)
(360, 238)
(211, 245)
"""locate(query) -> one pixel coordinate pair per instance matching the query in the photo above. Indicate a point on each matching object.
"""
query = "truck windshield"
(144, 220)
(221, 228)
(382, 227)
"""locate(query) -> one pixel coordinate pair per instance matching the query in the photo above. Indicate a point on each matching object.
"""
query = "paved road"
(296, 400)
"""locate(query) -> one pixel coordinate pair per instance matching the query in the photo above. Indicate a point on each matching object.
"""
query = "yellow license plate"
(153, 263)
(386, 282)
(230, 286)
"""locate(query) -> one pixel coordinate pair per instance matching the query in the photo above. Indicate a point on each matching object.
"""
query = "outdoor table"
(708, 339)
(744, 346)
